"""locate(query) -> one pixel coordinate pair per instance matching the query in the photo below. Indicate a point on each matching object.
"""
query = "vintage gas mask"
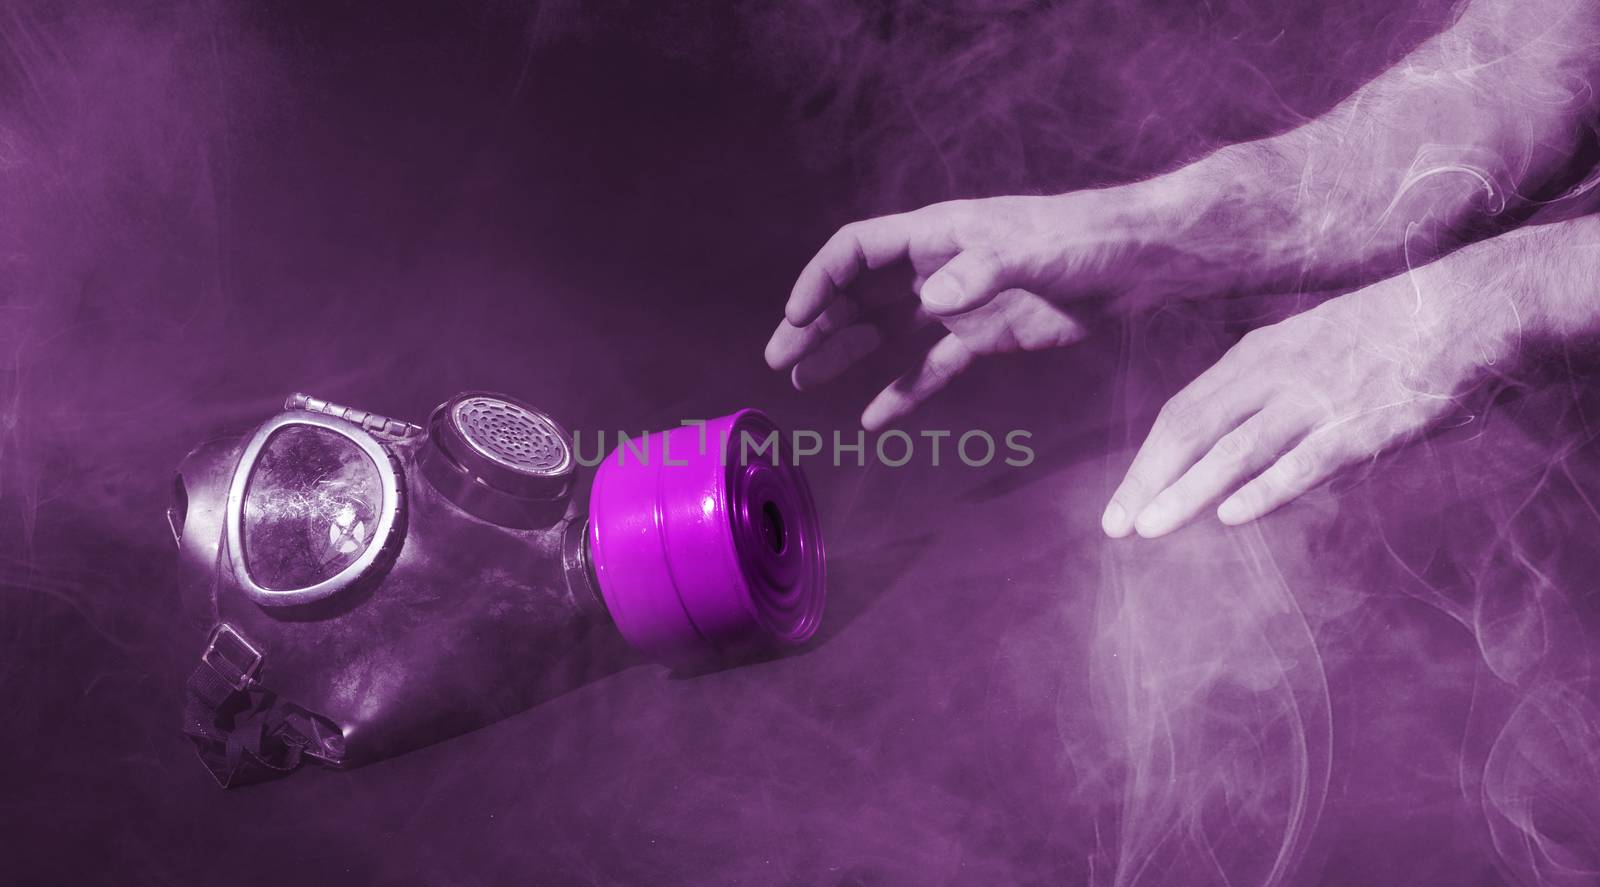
(372, 586)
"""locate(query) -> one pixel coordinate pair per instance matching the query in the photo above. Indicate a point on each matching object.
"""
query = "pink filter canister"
(705, 542)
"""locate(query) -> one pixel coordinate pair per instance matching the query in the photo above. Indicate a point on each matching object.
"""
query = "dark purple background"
(599, 207)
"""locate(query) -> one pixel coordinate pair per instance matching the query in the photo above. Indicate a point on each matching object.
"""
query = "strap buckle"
(232, 657)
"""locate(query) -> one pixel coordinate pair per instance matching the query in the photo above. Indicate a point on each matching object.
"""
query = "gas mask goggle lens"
(341, 558)
(310, 509)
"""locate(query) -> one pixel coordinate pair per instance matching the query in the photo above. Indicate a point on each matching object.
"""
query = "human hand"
(995, 272)
(1292, 403)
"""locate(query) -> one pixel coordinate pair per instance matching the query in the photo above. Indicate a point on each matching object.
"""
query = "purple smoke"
(205, 206)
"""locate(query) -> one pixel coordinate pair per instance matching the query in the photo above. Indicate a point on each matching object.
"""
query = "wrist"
(1210, 229)
(1175, 208)
(1459, 322)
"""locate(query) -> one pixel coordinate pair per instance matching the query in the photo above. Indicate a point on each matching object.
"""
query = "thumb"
(970, 280)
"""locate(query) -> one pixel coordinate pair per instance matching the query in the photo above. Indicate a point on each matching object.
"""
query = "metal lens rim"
(388, 513)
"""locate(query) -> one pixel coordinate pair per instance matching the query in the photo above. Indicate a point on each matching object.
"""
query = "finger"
(969, 280)
(1314, 460)
(944, 361)
(855, 248)
(835, 355)
(1187, 426)
(1236, 457)
(790, 343)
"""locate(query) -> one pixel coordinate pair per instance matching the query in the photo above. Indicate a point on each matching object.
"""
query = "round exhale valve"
(499, 459)
(706, 546)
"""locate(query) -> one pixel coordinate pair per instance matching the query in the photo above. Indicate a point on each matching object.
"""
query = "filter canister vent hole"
(772, 528)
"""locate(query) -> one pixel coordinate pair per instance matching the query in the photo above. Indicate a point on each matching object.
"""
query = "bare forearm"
(1468, 129)
(1536, 284)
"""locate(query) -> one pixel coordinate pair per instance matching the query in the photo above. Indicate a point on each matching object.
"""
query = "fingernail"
(1114, 521)
(1153, 521)
(940, 294)
(1231, 512)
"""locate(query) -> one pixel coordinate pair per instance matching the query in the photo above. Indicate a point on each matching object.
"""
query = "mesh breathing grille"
(517, 438)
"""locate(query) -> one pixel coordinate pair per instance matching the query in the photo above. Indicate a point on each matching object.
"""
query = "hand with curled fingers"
(1294, 402)
(999, 273)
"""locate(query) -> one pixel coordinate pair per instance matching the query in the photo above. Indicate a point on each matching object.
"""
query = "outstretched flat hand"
(1292, 403)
